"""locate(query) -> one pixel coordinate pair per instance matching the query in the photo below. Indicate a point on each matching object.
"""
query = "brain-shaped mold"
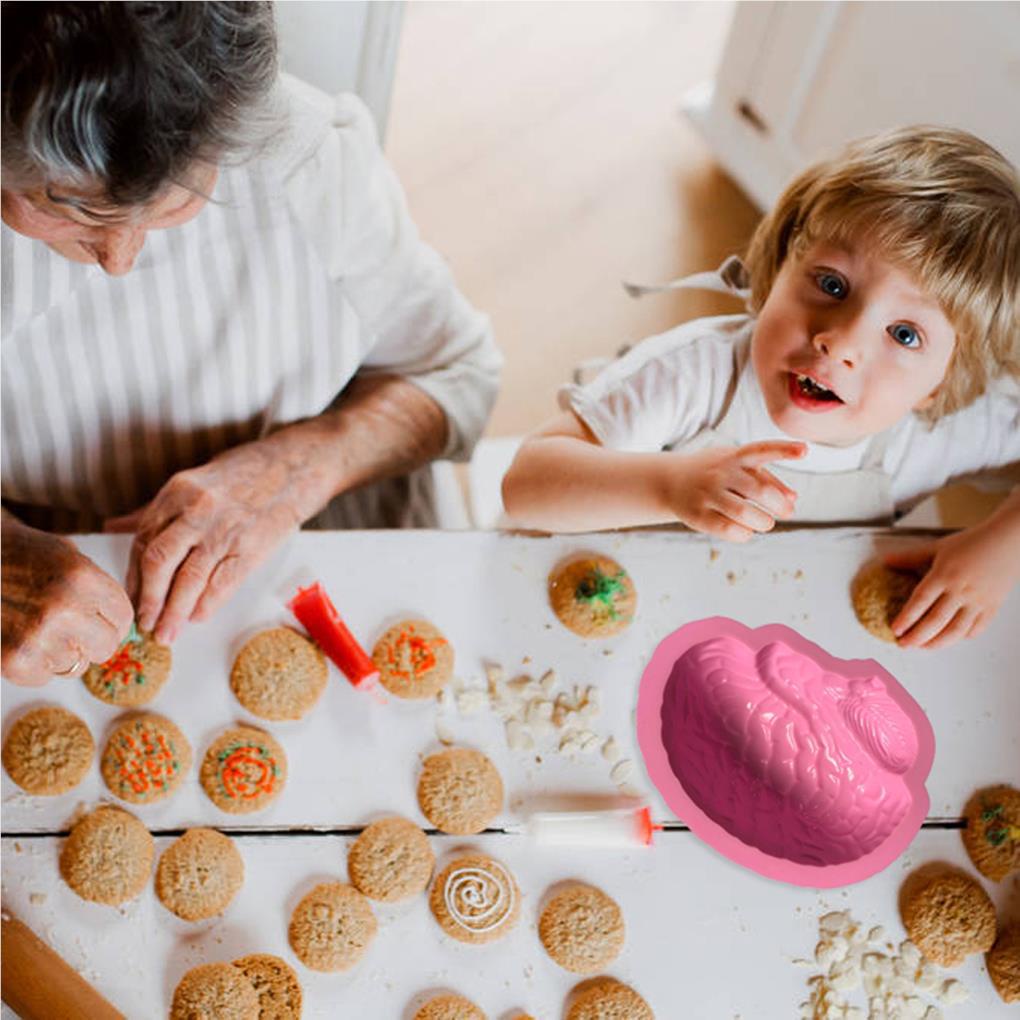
(807, 768)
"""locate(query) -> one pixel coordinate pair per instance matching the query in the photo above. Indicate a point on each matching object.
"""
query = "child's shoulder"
(712, 344)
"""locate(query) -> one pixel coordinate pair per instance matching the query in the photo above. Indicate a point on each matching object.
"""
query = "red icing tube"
(319, 617)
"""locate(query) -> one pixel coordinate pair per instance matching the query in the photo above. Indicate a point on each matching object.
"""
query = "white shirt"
(670, 388)
(304, 269)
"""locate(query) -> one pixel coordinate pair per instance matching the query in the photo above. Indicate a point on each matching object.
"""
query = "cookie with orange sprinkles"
(414, 659)
(244, 770)
(145, 758)
(133, 675)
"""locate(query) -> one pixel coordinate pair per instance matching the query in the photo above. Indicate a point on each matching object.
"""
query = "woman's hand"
(207, 528)
(969, 575)
(60, 611)
(728, 492)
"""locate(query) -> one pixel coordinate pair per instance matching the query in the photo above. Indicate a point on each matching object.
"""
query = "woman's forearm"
(384, 426)
(559, 483)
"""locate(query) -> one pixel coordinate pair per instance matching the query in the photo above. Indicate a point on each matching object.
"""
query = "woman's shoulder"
(314, 122)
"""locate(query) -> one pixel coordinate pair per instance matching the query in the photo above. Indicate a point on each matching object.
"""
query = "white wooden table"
(705, 938)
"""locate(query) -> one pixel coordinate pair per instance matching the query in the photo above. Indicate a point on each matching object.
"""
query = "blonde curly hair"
(938, 203)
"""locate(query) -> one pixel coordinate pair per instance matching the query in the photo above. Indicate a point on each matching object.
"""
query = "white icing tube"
(620, 828)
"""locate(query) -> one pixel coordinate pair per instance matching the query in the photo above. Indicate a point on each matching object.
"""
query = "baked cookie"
(414, 659)
(275, 984)
(449, 1007)
(948, 916)
(244, 770)
(278, 674)
(332, 927)
(48, 751)
(592, 595)
(878, 593)
(475, 899)
(1003, 961)
(391, 860)
(133, 675)
(607, 999)
(145, 758)
(582, 929)
(108, 856)
(214, 991)
(459, 791)
(992, 835)
(199, 874)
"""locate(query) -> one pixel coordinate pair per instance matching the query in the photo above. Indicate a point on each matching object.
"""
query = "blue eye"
(904, 335)
(831, 284)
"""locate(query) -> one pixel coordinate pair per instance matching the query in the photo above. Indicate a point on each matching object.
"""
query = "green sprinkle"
(600, 587)
(989, 813)
(997, 836)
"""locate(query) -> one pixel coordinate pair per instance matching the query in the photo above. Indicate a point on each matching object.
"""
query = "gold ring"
(73, 668)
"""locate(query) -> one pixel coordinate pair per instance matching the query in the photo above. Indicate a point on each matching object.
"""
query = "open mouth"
(811, 395)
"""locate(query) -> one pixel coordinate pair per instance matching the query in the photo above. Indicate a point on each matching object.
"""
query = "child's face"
(847, 344)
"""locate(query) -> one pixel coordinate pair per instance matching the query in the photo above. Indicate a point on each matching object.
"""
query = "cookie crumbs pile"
(897, 984)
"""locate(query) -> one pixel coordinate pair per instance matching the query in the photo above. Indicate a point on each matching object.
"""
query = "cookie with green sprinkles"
(133, 675)
(592, 595)
(145, 758)
(992, 835)
(243, 770)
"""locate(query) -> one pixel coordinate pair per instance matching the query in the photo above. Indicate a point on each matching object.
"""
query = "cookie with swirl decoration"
(244, 770)
(475, 899)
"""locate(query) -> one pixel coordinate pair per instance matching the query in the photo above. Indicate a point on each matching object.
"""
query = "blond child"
(880, 359)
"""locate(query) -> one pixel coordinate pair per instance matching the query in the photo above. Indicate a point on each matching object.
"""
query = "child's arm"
(969, 577)
(563, 479)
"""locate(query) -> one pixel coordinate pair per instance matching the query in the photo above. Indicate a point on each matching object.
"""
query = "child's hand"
(969, 577)
(727, 492)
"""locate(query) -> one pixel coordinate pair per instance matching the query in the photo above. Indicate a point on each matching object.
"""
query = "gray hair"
(129, 96)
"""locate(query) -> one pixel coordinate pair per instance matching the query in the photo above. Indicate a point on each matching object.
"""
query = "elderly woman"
(218, 320)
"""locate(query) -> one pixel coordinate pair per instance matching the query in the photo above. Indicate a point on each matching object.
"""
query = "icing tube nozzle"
(624, 827)
(317, 614)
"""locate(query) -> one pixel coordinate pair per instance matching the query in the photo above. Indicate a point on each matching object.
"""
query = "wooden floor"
(545, 155)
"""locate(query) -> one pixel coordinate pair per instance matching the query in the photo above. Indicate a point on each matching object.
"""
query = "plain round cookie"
(592, 596)
(48, 751)
(460, 791)
(582, 928)
(449, 1007)
(391, 860)
(608, 999)
(214, 991)
(133, 675)
(878, 593)
(992, 835)
(275, 983)
(948, 916)
(145, 758)
(414, 659)
(243, 770)
(332, 927)
(475, 899)
(108, 856)
(278, 674)
(199, 874)
(1003, 962)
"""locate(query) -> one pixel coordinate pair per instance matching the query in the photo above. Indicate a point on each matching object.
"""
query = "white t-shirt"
(671, 387)
(304, 269)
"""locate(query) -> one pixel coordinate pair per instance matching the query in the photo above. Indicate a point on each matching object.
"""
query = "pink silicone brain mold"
(807, 768)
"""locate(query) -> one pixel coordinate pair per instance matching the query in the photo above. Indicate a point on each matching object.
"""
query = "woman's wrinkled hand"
(207, 528)
(60, 611)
